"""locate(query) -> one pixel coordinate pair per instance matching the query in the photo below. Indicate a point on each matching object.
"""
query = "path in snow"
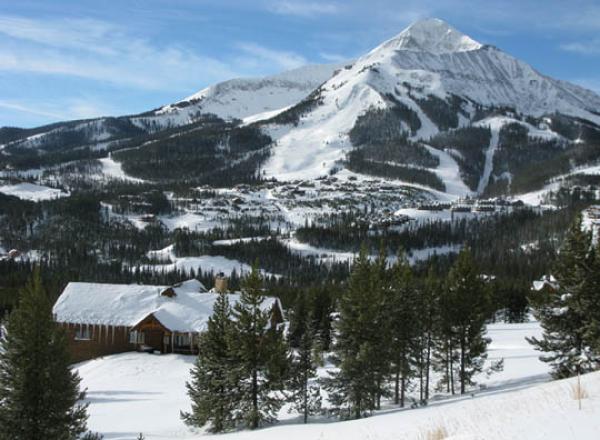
(489, 162)
(114, 170)
(449, 172)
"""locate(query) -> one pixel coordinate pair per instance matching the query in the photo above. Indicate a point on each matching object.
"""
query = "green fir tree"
(261, 354)
(212, 388)
(564, 310)
(40, 396)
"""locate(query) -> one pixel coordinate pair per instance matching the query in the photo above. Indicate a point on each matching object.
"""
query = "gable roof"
(128, 304)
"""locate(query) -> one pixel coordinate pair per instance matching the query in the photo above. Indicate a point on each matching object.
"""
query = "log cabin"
(103, 319)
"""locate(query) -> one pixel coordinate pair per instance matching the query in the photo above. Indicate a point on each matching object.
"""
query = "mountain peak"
(432, 35)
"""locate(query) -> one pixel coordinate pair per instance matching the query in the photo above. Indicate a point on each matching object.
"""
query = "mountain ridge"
(421, 86)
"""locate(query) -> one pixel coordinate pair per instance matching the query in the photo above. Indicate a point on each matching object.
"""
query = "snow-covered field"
(167, 261)
(113, 170)
(136, 392)
(33, 192)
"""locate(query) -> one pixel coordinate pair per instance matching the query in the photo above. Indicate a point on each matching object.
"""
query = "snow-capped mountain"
(246, 98)
(431, 107)
(428, 59)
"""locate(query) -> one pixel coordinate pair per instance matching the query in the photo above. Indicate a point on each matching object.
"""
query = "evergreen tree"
(353, 388)
(563, 311)
(299, 320)
(591, 303)
(380, 297)
(305, 394)
(211, 388)
(444, 355)
(261, 355)
(427, 312)
(469, 305)
(39, 393)
(402, 315)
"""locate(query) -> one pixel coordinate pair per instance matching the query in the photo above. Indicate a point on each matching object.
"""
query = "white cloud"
(588, 47)
(86, 34)
(256, 56)
(303, 9)
(72, 108)
(333, 57)
(104, 52)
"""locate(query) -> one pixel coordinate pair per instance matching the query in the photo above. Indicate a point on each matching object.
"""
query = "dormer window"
(169, 292)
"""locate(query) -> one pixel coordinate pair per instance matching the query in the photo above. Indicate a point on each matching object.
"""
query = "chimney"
(221, 283)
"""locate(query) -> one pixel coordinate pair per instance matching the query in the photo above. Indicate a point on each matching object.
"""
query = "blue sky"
(72, 59)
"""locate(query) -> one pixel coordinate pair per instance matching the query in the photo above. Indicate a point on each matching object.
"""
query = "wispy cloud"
(72, 108)
(105, 52)
(588, 47)
(255, 55)
(302, 8)
(333, 57)
(86, 34)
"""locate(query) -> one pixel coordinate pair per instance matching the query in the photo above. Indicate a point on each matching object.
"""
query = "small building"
(103, 319)
(14, 253)
(546, 285)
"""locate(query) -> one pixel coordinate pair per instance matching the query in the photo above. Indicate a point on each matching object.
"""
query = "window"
(136, 337)
(182, 339)
(82, 333)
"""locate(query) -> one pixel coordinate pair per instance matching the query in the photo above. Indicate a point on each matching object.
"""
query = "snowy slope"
(233, 99)
(32, 192)
(428, 58)
(245, 97)
(132, 393)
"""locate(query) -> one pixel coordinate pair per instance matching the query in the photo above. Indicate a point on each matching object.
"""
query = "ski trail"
(449, 172)
(489, 162)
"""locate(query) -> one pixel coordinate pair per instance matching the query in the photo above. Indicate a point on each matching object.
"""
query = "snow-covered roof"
(545, 281)
(128, 304)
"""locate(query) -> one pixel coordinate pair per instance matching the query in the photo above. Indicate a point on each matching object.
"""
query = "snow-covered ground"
(332, 256)
(537, 197)
(33, 192)
(113, 169)
(136, 392)
(168, 261)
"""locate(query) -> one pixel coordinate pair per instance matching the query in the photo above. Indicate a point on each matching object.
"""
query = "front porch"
(151, 335)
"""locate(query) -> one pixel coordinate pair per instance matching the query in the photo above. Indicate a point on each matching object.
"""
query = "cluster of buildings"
(471, 205)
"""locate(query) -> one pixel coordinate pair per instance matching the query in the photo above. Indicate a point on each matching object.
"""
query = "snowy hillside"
(132, 393)
(234, 99)
(242, 98)
(416, 109)
(428, 60)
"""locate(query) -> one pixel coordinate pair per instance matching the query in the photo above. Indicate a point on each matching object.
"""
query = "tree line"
(387, 332)
(568, 307)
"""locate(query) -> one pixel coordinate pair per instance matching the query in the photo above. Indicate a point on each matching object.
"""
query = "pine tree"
(468, 303)
(402, 315)
(353, 388)
(427, 311)
(590, 303)
(444, 356)
(39, 393)
(299, 320)
(211, 387)
(564, 312)
(261, 354)
(305, 394)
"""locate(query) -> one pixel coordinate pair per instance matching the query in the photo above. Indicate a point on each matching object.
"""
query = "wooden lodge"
(103, 319)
